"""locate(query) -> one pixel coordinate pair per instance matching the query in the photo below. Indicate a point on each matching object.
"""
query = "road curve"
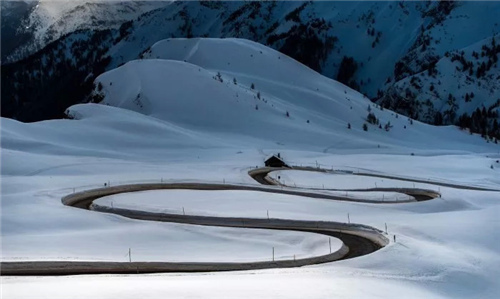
(261, 176)
(357, 239)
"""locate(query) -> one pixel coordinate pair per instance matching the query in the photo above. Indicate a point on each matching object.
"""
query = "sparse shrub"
(365, 127)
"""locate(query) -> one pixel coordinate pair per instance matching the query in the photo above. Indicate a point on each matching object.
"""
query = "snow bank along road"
(357, 239)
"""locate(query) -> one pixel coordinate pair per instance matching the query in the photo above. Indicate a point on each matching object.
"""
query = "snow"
(342, 181)
(193, 128)
(230, 203)
(164, 242)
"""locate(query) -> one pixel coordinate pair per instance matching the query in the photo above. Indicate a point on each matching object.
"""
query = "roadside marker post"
(330, 244)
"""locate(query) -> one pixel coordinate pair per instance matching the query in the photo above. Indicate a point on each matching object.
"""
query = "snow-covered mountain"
(374, 47)
(47, 20)
(461, 87)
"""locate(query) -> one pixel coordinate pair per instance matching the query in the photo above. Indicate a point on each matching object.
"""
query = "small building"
(275, 161)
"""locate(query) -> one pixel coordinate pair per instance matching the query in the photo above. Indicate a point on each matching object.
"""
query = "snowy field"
(342, 181)
(230, 203)
(155, 127)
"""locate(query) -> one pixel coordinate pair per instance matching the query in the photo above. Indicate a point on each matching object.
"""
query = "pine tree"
(365, 127)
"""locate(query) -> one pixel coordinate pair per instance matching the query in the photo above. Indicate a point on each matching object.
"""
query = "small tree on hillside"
(218, 77)
(372, 119)
(388, 126)
(365, 127)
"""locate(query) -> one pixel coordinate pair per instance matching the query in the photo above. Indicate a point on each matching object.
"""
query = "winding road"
(357, 239)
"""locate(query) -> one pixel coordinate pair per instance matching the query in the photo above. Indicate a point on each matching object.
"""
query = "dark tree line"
(43, 85)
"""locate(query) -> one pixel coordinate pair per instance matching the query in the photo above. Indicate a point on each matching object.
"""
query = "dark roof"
(276, 157)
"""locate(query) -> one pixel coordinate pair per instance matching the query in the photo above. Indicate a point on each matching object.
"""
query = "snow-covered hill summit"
(239, 87)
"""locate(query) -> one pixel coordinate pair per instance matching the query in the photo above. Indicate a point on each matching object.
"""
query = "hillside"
(228, 86)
